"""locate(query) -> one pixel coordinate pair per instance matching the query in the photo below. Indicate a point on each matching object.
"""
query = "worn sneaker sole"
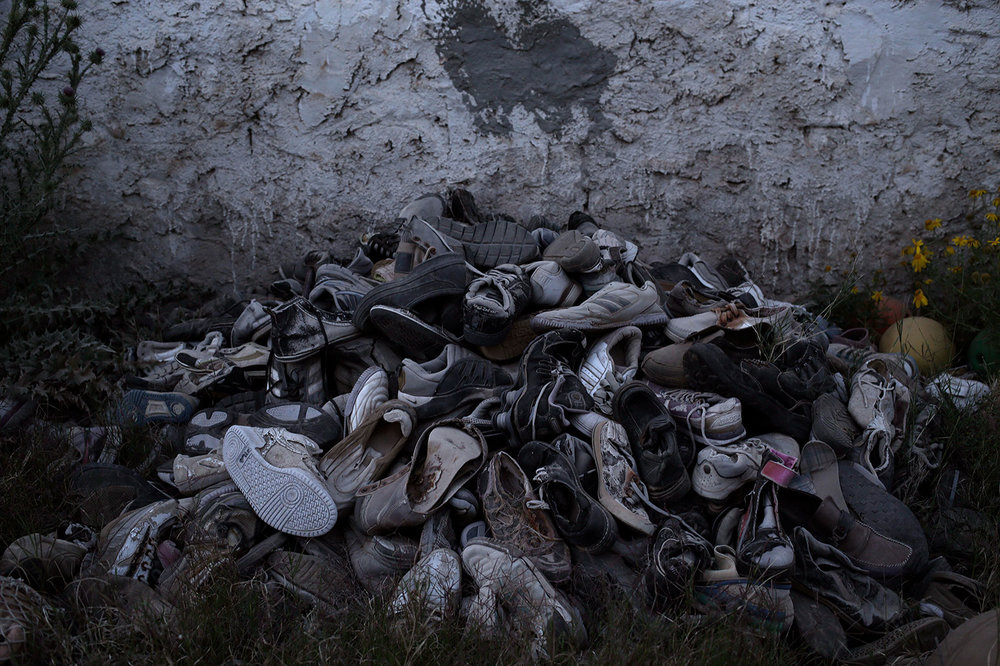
(443, 275)
(288, 499)
(421, 341)
(489, 244)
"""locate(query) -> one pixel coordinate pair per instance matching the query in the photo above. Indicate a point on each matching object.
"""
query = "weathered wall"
(232, 134)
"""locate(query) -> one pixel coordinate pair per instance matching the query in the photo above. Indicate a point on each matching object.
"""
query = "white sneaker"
(611, 362)
(277, 473)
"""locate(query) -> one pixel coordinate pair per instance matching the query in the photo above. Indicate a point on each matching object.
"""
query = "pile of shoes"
(474, 413)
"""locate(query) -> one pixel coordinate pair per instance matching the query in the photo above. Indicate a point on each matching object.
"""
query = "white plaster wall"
(231, 135)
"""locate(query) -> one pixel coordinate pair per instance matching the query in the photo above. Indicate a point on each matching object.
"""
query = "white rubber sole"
(287, 498)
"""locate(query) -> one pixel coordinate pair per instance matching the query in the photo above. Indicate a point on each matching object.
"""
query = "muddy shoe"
(512, 512)
(448, 454)
(276, 471)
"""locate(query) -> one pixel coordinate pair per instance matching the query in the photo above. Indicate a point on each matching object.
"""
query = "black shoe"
(652, 435)
(678, 555)
(299, 329)
(491, 243)
(547, 391)
(582, 520)
(441, 276)
(467, 382)
(492, 302)
(709, 369)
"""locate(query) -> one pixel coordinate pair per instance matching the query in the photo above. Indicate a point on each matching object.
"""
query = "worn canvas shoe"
(619, 487)
(363, 456)
(492, 302)
(511, 511)
(710, 418)
(276, 471)
(611, 362)
(618, 304)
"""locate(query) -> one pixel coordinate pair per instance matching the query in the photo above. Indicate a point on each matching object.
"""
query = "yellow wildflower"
(976, 194)
(877, 296)
(995, 241)
(992, 217)
(920, 261)
(855, 290)
(949, 250)
(974, 242)
(931, 225)
(919, 300)
(955, 269)
(828, 268)
(996, 202)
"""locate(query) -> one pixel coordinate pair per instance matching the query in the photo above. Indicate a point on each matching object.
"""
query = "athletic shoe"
(574, 252)
(551, 286)
(611, 362)
(442, 276)
(709, 418)
(277, 473)
(618, 304)
(492, 302)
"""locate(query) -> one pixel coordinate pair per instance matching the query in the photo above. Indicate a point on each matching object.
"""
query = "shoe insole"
(444, 466)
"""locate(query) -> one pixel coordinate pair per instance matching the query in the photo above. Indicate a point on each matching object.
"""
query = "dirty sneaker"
(276, 471)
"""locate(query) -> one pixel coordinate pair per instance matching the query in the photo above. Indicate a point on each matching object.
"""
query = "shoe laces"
(728, 313)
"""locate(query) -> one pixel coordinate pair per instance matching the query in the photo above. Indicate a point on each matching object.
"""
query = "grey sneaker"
(710, 418)
(276, 471)
(551, 286)
(574, 252)
(618, 304)
(535, 607)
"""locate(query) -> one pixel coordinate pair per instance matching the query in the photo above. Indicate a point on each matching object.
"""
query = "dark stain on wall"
(544, 64)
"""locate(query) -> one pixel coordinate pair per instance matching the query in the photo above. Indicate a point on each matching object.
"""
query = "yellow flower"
(949, 250)
(919, 300)
(877, 296)
(920, 261)
(996, 202)
(995, 241)
(931, 225)
(828, 268)
(976, 194)
(955, 269)
(992, 217)
(855, 290)
(974, 242)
